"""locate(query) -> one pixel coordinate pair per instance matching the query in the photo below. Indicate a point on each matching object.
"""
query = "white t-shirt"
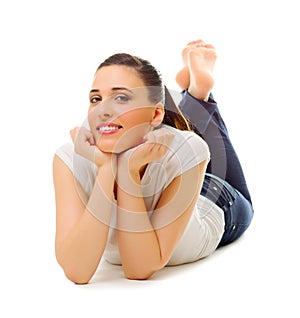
(206, 225)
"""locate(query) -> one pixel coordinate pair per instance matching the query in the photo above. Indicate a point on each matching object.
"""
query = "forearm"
(80, 252)
(138, 244)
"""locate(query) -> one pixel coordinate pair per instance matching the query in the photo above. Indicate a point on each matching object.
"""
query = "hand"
(156, 145)
(85, 146)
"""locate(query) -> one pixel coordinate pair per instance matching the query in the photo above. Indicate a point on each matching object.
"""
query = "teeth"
(108, 128)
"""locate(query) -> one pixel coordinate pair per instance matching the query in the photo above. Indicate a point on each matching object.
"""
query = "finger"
(74, 133)
(160, 136)
(85, 135)
(91, 140)
(166, 138)
(74, 130)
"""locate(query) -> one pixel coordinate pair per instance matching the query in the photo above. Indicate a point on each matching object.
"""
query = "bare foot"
(201, 62)
(183, 76)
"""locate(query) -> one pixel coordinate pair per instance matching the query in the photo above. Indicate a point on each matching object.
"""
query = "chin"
(107, 148)
(117, 149)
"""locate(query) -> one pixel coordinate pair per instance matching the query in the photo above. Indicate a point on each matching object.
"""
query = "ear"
(158, 115)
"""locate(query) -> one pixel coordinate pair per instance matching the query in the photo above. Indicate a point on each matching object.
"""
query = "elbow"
(138, 274)
(74, 274)
(76, 277)
(73, 271)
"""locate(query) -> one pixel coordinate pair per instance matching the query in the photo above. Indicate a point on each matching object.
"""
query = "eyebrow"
(113, 89)
(94, 91)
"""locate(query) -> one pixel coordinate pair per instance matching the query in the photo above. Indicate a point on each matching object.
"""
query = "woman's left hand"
(156, 145)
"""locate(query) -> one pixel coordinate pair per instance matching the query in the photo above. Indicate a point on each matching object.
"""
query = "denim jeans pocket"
(218, 191)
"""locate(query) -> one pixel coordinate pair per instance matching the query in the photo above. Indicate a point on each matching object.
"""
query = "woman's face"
(120, 113)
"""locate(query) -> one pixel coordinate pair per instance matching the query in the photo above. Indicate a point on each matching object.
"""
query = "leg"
(206, 118)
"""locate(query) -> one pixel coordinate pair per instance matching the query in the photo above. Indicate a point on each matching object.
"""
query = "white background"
(49, 52)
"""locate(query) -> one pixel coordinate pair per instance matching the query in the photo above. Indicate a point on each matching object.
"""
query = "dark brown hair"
(152, 80)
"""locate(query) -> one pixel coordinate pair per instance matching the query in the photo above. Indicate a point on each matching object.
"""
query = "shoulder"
(66, 154)
(83, 170)
(189, 144)
(186, 151)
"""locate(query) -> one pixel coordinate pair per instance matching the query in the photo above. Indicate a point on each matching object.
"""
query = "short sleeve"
(65, 153)
(191, 152)
(187, 151)
(83, 170)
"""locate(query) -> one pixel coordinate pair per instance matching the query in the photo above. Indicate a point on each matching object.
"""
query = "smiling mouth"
(108, 128)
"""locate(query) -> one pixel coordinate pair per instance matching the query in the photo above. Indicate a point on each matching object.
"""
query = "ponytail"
(173, 115)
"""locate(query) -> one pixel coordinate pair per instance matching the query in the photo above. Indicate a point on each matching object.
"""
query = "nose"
(105, 110)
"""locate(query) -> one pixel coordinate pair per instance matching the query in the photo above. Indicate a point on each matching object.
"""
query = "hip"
(238, 211)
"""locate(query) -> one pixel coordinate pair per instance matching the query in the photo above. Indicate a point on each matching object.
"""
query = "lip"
(108, 128)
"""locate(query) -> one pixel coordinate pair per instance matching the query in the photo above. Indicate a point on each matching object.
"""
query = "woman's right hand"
(85, 146)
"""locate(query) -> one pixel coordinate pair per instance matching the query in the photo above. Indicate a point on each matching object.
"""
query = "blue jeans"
(238, 211)
(224, 182)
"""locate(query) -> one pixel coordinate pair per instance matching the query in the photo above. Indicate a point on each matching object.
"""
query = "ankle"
(183, 78)
(201, 95)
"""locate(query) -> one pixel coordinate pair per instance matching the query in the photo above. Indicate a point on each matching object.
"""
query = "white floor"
(256, 276)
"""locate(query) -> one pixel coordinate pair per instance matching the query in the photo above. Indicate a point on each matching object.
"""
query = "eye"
(95, 99)
(122, 98)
